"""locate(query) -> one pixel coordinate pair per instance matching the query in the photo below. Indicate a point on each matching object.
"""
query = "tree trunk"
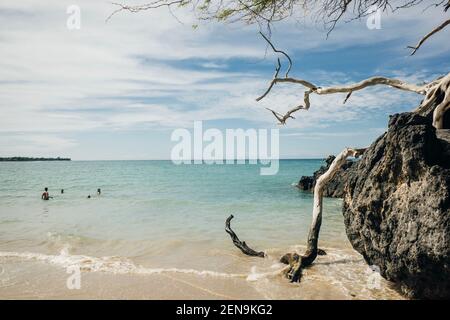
(443, 96)
(296, 262)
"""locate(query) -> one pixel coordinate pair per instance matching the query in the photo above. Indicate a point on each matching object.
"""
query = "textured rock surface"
(447, 120)
(335, 188)
(306, 183)
(396, 207)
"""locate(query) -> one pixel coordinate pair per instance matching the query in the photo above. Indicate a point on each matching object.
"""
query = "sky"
(118, 89)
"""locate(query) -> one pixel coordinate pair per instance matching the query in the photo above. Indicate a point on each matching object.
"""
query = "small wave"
(121, 265)
(255, 276)
(8, 221)
(58, 238)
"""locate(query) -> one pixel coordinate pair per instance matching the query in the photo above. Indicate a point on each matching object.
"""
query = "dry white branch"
(430, 90)
(321, 182)
(442, 93)
(349, 89)
(296, 262)
(436, 93)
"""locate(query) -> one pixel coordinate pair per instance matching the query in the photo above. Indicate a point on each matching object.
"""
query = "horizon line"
(246, 159)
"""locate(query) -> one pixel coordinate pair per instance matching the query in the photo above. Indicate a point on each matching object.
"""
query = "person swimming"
(62, 191)
(45, 195)
(89, 196)
(99, 191)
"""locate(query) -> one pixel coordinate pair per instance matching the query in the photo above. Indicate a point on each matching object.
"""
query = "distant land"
(32, 159)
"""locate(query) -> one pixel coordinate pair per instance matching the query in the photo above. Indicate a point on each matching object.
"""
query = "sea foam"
(122, 265)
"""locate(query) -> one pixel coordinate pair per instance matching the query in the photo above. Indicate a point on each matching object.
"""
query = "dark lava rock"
(396, 207)
(334, 188)
(306, 183)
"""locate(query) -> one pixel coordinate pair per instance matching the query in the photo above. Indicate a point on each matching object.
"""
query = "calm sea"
(158, 227)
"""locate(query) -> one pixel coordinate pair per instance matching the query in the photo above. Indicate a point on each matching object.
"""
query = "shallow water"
(157, 231)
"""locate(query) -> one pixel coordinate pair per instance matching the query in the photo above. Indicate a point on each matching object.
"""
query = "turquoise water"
(156, 217)
(157, 200)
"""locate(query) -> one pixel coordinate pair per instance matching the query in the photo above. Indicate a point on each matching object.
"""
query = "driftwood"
(241, 244)
(295, 261)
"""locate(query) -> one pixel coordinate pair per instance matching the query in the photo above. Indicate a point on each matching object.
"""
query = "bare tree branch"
(152, 5)
(266, 12)
(278, 51)
(427, 89)
(282, 118)
(374, 81)
(425, 38)
(347, 97)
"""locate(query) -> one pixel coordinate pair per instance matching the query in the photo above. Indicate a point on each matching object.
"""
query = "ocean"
(157, 232)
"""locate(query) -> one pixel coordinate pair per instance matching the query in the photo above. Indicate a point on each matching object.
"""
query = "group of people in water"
(46, 195)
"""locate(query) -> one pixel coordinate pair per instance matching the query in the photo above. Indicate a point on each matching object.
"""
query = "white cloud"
(130, 72)
(38, 145)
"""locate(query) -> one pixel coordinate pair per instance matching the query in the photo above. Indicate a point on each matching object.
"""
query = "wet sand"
(341, 274)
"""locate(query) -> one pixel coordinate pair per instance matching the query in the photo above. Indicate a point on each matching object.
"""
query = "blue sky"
(117, 90)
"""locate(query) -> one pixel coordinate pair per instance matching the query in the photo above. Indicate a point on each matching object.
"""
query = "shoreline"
(121, 278)
(166, 220)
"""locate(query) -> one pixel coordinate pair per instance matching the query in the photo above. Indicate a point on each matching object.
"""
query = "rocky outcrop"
(306, 183)
(335, 188)
(397, 207)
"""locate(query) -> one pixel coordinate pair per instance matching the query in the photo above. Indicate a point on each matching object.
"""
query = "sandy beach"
(339, 275)
(160, 234)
